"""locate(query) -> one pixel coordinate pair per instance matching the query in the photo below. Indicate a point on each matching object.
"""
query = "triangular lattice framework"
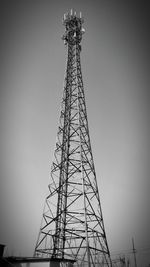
(72, 227)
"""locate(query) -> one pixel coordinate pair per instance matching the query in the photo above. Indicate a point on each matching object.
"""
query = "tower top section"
(73, 28)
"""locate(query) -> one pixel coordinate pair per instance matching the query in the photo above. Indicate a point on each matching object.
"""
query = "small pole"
(128, 263)
(134, 253)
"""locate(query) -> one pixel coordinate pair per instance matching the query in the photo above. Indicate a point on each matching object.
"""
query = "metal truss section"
(72, 226)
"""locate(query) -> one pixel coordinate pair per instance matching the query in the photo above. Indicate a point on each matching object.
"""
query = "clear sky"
(115, 67)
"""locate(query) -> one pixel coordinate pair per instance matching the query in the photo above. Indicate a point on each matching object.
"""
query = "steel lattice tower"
(72, 226)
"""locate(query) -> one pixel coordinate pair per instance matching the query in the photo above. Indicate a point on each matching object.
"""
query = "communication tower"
(72, 228)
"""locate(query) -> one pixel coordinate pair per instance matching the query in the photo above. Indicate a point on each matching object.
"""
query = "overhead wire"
(125, 252)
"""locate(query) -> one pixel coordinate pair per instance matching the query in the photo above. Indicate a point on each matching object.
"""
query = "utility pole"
(134, 253)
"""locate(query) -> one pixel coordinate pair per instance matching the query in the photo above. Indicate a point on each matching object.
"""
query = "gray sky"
(115, 68)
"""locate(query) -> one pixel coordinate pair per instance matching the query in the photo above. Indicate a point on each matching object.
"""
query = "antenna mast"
(72, 227)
